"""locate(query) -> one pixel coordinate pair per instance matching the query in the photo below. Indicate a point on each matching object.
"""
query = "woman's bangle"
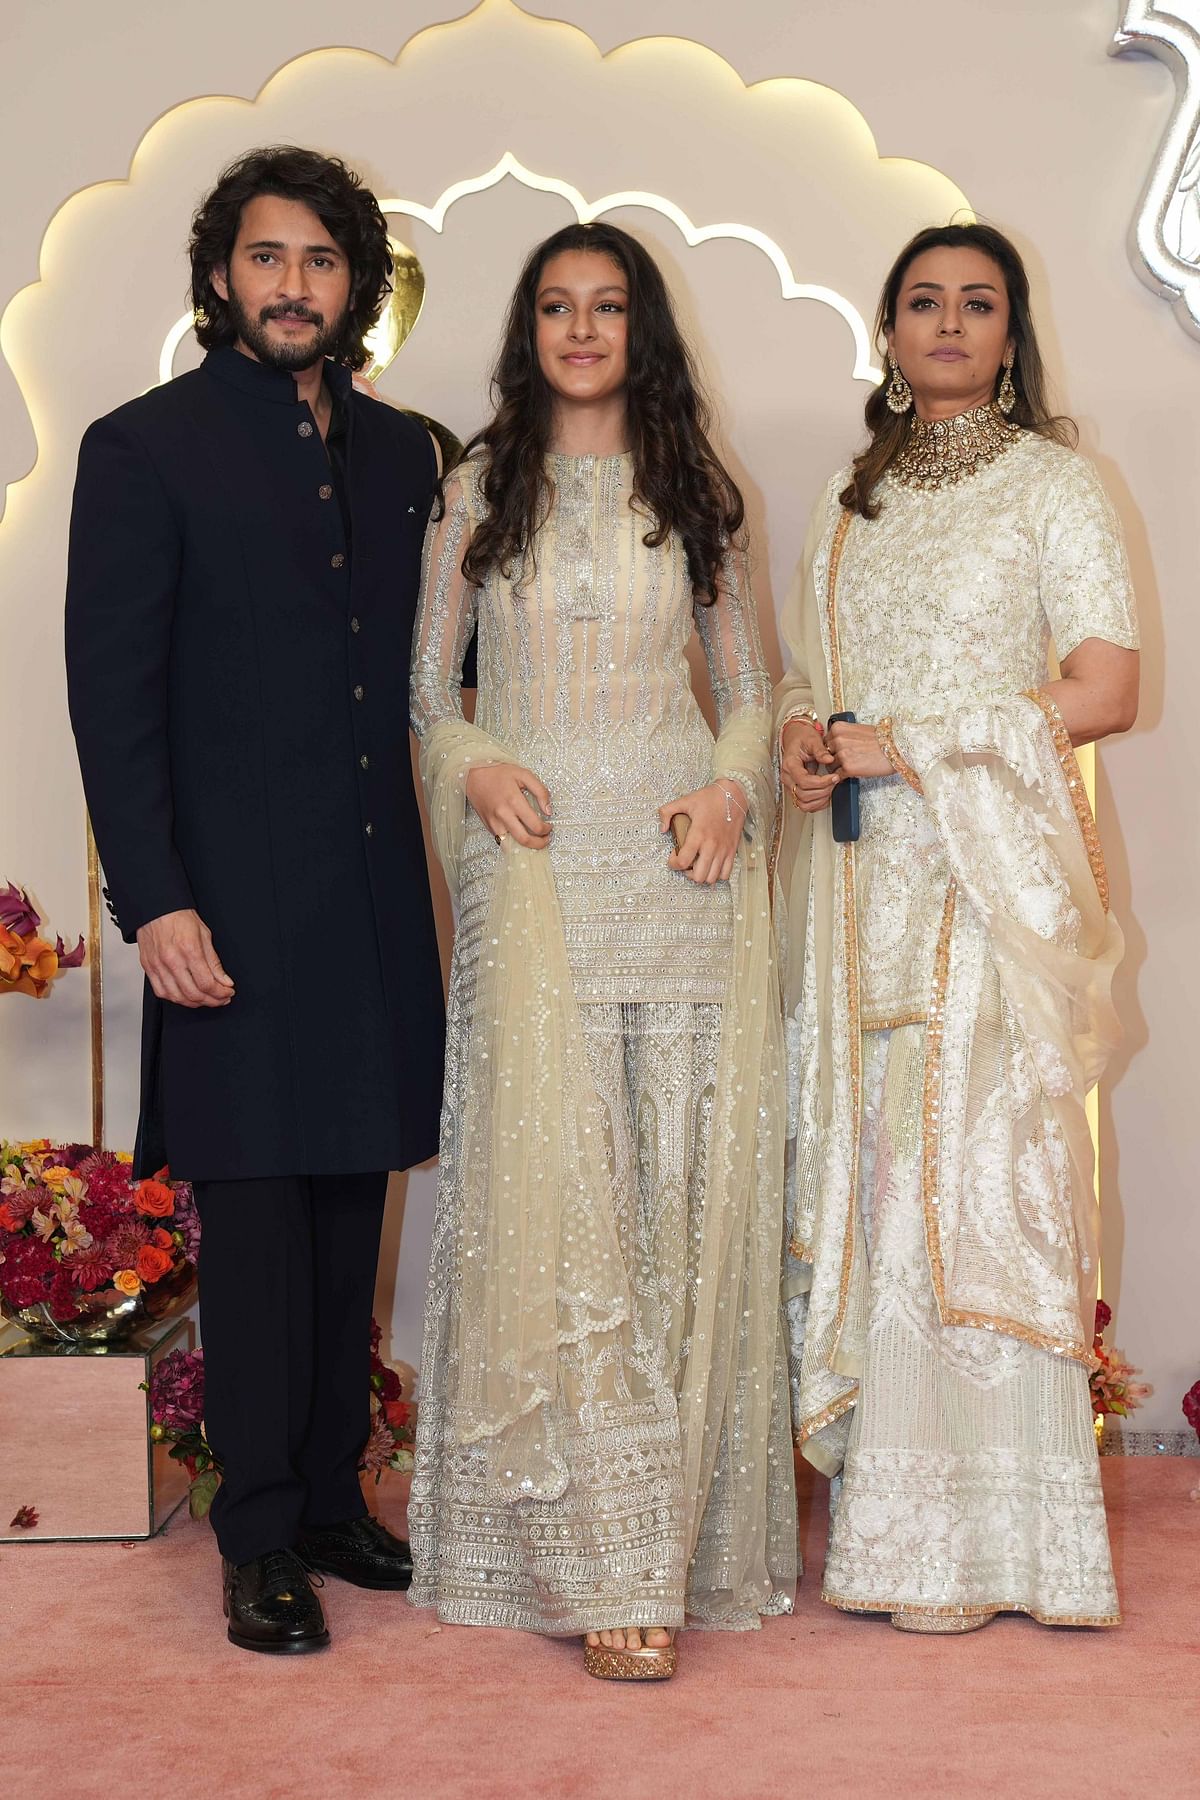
(883, 733)
(805, 715)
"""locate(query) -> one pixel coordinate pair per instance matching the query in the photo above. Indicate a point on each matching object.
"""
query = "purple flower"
(69, 959)
(177, 1390)
(187, 1221)
(17, 912)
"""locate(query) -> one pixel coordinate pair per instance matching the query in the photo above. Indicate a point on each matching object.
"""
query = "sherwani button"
(358, 692)
(355, 626)
(369, 829)
(336, 561)
(304, 429)
(325, 491)
(364, 762)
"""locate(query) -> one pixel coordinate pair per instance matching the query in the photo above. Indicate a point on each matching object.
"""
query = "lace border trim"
(1100, 1620)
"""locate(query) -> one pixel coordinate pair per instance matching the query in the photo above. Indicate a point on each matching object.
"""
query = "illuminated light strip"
(586, 212)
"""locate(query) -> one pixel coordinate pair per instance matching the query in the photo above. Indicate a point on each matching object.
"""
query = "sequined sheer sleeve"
(733, 651)
(445, 616)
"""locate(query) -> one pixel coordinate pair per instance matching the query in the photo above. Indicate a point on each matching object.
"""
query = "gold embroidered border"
(849, 937)
(800, 1250)
(968, 1612)
(931, 1128)
(1075, 787)
(917, 1017)
(887, 743)
(810, 1427)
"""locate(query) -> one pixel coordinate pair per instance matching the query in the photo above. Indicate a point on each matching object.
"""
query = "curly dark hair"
(679, 481)
(1032, 410)
(348, 210)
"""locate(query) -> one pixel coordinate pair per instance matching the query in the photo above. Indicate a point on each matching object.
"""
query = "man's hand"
(178, 956)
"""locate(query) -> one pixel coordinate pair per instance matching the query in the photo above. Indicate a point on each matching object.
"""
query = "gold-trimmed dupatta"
(1019, 1025)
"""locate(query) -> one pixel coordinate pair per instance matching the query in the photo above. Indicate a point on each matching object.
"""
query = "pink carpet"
(115, 1678)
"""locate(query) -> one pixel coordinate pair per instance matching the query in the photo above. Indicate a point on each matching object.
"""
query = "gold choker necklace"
(939, 452)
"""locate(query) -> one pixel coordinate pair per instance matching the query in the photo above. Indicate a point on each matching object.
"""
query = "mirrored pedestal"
(75, 1438)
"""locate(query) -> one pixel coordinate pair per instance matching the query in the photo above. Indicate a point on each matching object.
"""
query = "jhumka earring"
(899, 394)
(1006, 399)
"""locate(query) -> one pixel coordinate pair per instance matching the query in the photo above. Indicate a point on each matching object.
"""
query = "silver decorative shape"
(1164, 239)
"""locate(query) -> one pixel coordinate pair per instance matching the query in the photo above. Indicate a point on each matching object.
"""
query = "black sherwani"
(239, 615)
(238, 676)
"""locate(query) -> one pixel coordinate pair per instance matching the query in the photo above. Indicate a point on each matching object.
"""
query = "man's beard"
(290, 358)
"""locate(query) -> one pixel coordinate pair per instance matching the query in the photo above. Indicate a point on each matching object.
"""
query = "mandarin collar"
(262, 382)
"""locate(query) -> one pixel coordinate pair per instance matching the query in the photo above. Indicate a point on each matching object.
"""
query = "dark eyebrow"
(309, 249)
(612, 287)
(968, 287)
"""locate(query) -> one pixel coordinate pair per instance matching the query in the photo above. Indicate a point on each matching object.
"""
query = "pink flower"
(378, 1449)
(123, 1244)
(1191, 1406)
(17, 912)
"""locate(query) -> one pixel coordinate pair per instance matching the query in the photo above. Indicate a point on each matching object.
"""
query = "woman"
(949, 981)
(604, 1441)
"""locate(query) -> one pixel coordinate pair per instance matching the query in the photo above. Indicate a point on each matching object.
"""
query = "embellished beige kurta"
(948, 996)
(603, 1434)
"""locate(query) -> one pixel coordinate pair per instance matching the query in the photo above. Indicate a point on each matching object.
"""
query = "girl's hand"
(499, 793)
(808, 769)
(856, 751)
(710, 847)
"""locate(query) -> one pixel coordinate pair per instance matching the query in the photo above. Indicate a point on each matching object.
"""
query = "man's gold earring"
(899, 394)
(1006, 399)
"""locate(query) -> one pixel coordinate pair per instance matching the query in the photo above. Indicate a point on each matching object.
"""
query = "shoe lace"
(281, 1568)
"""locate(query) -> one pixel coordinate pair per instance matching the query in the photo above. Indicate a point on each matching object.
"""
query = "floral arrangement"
(176, 1391)
(1113, 1388)
(28, 961)
(1191, 1407)
(74, 1224)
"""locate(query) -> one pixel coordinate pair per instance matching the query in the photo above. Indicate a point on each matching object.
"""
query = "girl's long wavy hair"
(889, 430)
(679, 481)
(348, 211)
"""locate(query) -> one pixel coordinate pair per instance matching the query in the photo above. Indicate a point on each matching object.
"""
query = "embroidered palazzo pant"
(611, 1551)
(971, 1479)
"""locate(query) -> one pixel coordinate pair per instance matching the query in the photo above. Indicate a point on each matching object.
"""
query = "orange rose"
(9, 1220)
(152, 1263)
(162, 1238)
(126, 1282)
(154, 1199)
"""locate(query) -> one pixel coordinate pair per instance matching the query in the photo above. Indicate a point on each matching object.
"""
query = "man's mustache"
(299, 311)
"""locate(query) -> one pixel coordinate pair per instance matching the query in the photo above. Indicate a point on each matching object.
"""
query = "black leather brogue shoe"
(271, 1606)
(361, 1551)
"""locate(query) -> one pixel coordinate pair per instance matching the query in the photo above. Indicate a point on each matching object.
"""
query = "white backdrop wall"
(1010, 103)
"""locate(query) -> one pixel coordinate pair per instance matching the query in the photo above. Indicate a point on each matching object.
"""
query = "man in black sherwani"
(244, 561)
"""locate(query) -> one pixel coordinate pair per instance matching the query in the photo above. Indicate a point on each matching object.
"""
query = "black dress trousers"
(287, 1281)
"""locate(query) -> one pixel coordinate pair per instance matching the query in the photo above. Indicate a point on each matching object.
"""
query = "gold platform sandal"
(940, 1624)
(653, 1662)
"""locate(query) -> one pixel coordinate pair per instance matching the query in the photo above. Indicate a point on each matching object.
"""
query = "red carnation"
(1103, 1316)
(63, 1303)
(29, 1256)
(98, 1217)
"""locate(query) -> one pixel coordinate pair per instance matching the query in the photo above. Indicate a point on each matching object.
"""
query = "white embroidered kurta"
(948, 994)
(603, 1434)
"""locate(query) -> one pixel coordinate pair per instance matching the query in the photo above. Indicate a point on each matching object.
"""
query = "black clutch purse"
(843, 805)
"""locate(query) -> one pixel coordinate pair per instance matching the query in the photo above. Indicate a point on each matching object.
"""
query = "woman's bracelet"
(883, 732)
(744, 810)
(806, 715)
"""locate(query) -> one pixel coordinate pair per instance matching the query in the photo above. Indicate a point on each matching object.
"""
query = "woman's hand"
(856, 751)
(808, 772)
(499, 793)
(710, 847)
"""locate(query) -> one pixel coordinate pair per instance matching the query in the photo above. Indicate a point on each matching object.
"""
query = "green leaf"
(202, 1492)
